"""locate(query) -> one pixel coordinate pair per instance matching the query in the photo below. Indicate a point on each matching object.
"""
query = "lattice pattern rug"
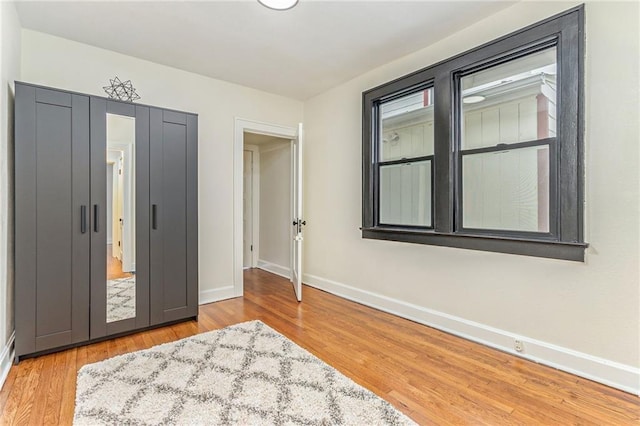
(244, 374)
(121, 299)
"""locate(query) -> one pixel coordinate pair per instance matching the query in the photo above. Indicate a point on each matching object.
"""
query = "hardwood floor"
(114, 266)
(433, 377)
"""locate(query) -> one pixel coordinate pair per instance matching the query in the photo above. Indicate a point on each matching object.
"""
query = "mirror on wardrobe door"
(120, 220)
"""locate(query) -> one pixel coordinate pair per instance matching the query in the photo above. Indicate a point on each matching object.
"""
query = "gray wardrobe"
(105, 218)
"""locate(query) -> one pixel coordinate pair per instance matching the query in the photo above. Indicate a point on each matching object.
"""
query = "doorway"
(267, 202)
(263, 200)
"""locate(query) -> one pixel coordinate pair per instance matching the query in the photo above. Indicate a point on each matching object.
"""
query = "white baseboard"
(216, 295)
(610, 373)
(283, 271)
(6, 359)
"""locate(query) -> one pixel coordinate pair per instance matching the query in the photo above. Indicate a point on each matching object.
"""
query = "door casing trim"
(244, 125)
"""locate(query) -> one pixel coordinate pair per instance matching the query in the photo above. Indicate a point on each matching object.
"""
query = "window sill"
(521, 246)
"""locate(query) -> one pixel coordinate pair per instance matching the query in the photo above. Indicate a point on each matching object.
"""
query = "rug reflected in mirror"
(121, 299)
(240, 375)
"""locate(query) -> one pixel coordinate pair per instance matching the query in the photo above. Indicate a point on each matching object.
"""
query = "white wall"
(582, 317)
(69, 65)
(275, 204)
(9, 71)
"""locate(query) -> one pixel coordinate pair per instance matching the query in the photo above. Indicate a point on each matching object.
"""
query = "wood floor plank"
(28, 399)
(433, 377)
(54, 390)
(8, 384)
(15, 390)
(67, 397)
(44, 382)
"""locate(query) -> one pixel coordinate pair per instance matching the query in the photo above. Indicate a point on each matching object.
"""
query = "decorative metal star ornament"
(121, 91)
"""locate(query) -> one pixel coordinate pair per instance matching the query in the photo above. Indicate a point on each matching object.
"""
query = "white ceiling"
(260, 140)
(296, 53)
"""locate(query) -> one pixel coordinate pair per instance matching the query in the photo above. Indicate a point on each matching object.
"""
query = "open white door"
(298, 223)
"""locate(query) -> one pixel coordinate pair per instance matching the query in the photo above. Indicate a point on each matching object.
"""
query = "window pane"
(509, 103)
(507, 190)
(407, 126)
(405, 194)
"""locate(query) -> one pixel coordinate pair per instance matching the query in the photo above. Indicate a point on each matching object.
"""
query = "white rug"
(121, 299)
(246, 374)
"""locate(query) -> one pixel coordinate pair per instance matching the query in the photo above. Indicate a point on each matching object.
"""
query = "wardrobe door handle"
(83, 219)
(95, 218)
(154, 216)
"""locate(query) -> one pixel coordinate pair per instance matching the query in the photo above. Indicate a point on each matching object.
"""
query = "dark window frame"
(379, 164)
(565, 239)
(406, 161)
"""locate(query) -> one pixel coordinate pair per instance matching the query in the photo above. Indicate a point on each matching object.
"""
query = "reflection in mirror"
(121, 254)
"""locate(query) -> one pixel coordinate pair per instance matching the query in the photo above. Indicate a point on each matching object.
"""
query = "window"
(507, 137)
(483, 150)
(405, 163)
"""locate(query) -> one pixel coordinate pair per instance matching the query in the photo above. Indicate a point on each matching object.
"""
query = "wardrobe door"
(174, 206)
(51, 223)
(119, 217)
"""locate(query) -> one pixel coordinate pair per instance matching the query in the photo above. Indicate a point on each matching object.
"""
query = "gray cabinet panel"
(143, 216)
(53, 97)
(52, 263)
(80, 216)
(192, 215)
(98, 228)
(173, 285)
(173, 214)
(156, 247)
(25, 219)
(53, 219)
(168, 233)
(174, 117)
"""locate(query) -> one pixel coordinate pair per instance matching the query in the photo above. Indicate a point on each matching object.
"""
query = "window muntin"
(405, 159)
(508, 128)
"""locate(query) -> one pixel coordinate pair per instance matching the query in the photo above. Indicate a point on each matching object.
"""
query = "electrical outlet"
(518, 345)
